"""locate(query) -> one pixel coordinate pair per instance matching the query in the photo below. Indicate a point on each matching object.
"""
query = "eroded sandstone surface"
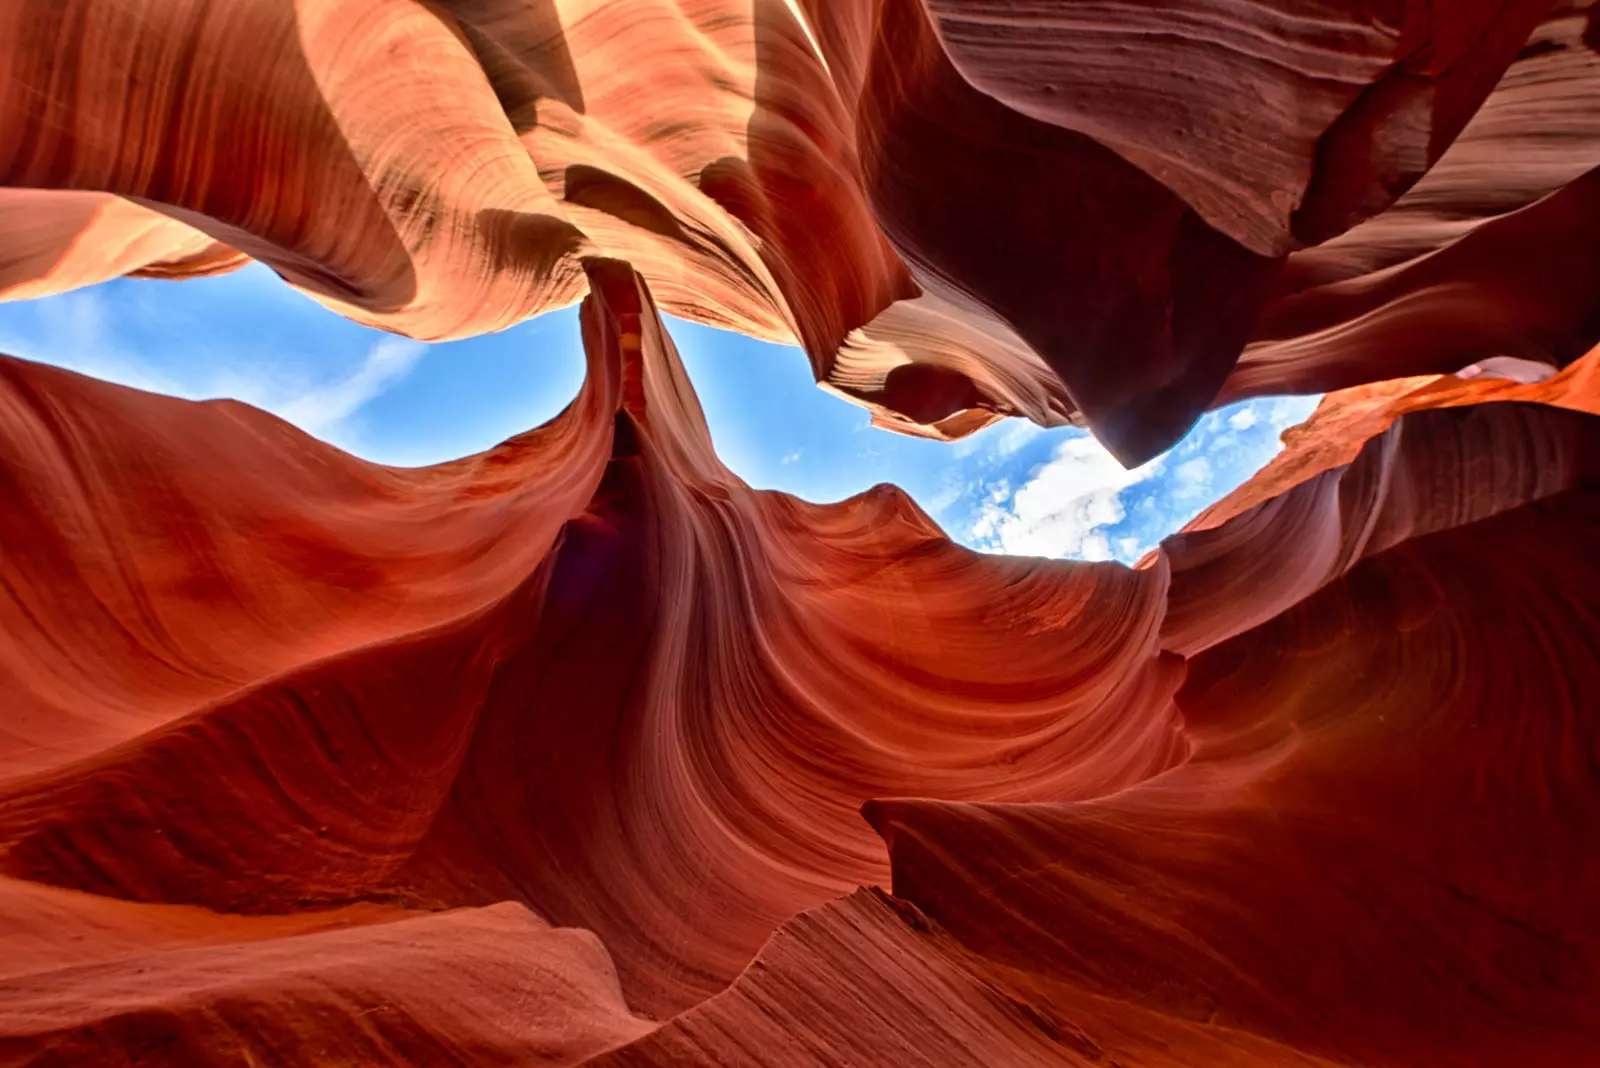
(580, 751)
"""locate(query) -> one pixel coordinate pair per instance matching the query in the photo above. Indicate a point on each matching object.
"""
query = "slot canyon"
(579, 750)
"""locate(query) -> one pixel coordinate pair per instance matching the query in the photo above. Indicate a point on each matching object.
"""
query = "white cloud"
(1287, 411)
(71, 331)
(1192, 478)
(998, 440)
(1064, 504)
(325, 410)
(1243, 419)
(1094, 547)
(792, 456)
(949, 494)
(1016, 434)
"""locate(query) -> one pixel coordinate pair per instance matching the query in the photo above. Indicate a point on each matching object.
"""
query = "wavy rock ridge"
(558, 753)
(960, 210)
(580, 751)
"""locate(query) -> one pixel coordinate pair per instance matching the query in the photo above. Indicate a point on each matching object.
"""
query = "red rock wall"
(565, 747)
(959, 210)
(580, 751)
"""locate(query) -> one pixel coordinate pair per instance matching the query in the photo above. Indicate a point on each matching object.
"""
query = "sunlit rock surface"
(580, 751)
(958, 209)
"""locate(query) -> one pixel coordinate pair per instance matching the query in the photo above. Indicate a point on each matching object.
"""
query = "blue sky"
(1011, 488)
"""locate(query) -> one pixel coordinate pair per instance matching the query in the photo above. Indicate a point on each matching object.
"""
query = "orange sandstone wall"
(560, 753)
(959, 210)
(579, 751)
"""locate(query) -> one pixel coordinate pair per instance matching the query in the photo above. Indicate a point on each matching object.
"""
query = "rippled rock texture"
(580, 751)
(960, 209)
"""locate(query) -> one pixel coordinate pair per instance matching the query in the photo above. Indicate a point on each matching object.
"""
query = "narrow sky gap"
(1012, 488)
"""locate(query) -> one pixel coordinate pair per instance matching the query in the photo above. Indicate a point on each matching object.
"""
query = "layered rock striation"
(578, 750)
(960, 210)
(581, 751)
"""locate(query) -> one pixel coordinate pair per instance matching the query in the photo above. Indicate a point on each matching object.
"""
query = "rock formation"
(564, 748)
(580, 751)
(960, 210)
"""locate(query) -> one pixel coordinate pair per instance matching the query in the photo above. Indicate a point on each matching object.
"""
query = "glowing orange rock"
(959, 210)
(588, 671)
(346, 785)
(559, 753)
